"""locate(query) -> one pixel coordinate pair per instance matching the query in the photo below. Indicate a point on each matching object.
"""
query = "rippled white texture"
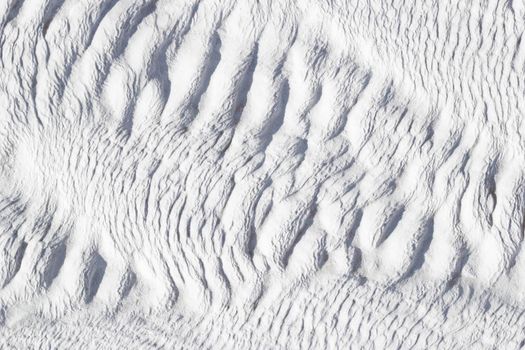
(261, 174)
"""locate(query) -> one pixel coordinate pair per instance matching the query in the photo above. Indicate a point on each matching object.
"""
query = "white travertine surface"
(244, 174)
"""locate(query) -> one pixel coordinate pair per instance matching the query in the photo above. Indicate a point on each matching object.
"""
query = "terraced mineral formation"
(256, 174)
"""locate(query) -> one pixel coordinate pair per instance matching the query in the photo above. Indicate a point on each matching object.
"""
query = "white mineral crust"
(262, 174)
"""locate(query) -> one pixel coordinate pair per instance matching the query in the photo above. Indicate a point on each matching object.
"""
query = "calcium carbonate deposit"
(262, 174)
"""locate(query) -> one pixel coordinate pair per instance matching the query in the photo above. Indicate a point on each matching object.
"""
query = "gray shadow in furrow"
(490, 190)
(54, 264)
(105, 8)
(93, 276)
(155, 166)
(11, 206)
(300, 234)
(131, 26)
(455, 144)
(321, 255)
(401, 117)
(130, 280)
(34, 83)
(13, 12)
(241, 90)
(277, 118)
(422, 246)
(44, 221)
(513, 258)
(251, 243)
(19, 255)
(50, 12)
(225, 279)
(365, 81)
(68, 69)
(211, 62)
(318, 57)
(317, 94)
(462, 258)
(126, 126)
(429, 135)
(245, 85)
(358, 216)
(201, 273)
(388, 95)
(356, 259)
(516, 51)
(158, 69)
(390, 225)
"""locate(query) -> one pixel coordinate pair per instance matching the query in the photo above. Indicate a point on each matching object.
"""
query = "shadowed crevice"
(93, 277)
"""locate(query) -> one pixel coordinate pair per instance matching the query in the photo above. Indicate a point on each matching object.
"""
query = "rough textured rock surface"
(262, 174)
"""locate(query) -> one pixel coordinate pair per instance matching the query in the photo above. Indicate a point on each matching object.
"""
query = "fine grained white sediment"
(262, 174)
